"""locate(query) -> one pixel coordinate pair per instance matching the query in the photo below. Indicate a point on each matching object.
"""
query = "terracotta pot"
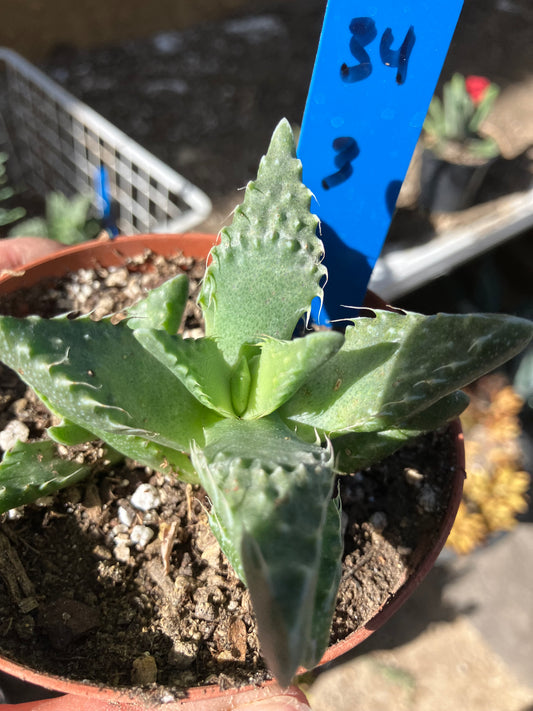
(79, 696)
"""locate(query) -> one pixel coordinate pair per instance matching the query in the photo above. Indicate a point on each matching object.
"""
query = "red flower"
(476, 88)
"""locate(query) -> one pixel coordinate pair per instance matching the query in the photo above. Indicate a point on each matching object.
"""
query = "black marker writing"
(398, 58)
(363, 31)
(347, 151)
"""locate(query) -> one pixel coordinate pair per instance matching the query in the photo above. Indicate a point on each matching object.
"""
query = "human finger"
(15, 252)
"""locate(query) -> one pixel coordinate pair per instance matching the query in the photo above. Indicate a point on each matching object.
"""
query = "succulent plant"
(495, 491)
(7, 214)
(262, 420)
(455, 120)
(67, 220)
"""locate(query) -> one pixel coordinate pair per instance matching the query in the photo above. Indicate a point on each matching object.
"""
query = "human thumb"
(292, 702)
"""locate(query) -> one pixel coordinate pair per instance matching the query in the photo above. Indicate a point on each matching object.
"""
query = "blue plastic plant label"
(375, 73)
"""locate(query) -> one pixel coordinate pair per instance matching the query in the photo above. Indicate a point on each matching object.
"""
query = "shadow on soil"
(425, 607)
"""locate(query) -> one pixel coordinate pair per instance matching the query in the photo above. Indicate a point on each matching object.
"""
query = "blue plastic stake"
(377, 65)
(104, 201)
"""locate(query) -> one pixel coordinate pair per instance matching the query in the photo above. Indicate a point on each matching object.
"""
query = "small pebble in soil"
(150, 518)
(118, 278)
(15, 514)
(413, 476)
(379, 521)
(64, 621)
(183, 653)
(167, 698)
(101, 552)
(144, 670)
(145, 497)
(25, 627)
(211, 555)
(44, 502)
(428, 499)
(206, 611)
(141, 535)
(126, 515)
(13, 432)
(19, 406)
(119, 528)
(28, 604)
(122, 552)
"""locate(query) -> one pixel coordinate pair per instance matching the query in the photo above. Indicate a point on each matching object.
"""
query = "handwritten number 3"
(347, 150)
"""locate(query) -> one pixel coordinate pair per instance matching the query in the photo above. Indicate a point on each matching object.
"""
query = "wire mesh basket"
(57, 143)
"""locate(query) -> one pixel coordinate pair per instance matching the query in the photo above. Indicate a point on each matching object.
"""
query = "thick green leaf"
(395, 365)
(99, 377)
(163, 307)
(328, 584)
(143, 451)
(283, 366)
(34, 469)
(266, 269)
(198, 364)
(270, 495)
(32, 227)
(437, 414)
(484, 108)
(357, 450)
(152, 454)
(69, 433)
(240, 382)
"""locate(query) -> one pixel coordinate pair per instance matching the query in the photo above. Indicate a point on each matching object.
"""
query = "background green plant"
(456, 119)
(67, 220)
(12, 214)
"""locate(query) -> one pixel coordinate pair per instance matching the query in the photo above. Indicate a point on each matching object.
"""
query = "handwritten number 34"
(364, 32)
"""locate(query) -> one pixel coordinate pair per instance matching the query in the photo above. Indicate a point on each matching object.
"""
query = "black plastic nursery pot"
(78, 695)
(449, 187)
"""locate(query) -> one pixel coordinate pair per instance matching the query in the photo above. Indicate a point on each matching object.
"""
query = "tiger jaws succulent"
(262, 421)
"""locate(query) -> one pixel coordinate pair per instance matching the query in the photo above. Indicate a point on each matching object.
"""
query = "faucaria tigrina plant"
(262, 421)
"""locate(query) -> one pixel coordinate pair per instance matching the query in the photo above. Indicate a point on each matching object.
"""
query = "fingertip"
(15, 252)
(279, 703)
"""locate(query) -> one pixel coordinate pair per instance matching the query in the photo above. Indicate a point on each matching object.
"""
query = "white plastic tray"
(57, 143)
(398, 272)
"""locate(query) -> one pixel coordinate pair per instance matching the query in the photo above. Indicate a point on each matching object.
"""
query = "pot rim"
(112, 252)
(106, 251)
